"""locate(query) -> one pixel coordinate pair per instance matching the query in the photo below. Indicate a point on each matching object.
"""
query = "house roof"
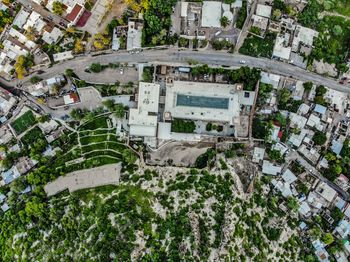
(74, 13)
(271, 79)
(320, 109)
(336, 146)
(326, 191)
(304, 208)
(264, 10)
(270, 169)
(280, 50)
(258, 154)
(289, 177)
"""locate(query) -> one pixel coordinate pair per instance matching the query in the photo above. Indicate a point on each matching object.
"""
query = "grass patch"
(96, 132)
(103, 146)
(99, 122)
(93, 139)
(258, 47)
(25, 121)
(103, 153)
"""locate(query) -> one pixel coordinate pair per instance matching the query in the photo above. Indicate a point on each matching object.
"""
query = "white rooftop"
(63, 56)
(53, 36)
(258, 154)
(263, 10)
(271, 79)
(289, 177)
(304, 208)
(326, 191)
(284, 188)
(297, 120)
(280, 50)
(297, 139)
(143, 119)
(21, 18)
(303, 35)
(211, 14)
(270, 169)
(134, 36)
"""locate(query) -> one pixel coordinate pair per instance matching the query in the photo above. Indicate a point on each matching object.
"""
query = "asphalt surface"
(176, 57)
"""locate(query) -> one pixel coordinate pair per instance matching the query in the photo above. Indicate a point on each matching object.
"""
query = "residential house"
(269, 168)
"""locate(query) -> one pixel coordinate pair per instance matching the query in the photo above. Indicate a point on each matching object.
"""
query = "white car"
(242, 62)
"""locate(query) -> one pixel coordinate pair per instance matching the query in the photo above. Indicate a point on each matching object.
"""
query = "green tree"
(109, 103)
(183, 42)
(35, 80)
(292, 203)
(283, 97)
(69, 72)
(328, 238)
(119, 110)
(57, 8)
(224, 21)
(319, 138)
(307, 86)
(129, 156)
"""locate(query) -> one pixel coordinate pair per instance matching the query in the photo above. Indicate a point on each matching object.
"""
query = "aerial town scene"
(174, 130)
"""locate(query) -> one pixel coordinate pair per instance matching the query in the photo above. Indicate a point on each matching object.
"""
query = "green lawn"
(99, 122)
(103, 153)
(25, 121)
(96, 132)
(93, 139)
(103, 146)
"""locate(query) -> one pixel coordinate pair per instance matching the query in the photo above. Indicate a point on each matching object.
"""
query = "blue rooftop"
(320, 109)
(202, 101)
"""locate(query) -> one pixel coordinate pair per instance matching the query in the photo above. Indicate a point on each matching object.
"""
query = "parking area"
(124, 75)
(88, 178)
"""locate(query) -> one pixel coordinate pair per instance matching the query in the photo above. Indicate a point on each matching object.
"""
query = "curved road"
(177, 57)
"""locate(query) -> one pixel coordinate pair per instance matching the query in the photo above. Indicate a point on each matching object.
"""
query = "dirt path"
(326, 13)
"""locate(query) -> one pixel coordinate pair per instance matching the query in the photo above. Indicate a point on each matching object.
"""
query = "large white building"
(206, 101)
(143, 119)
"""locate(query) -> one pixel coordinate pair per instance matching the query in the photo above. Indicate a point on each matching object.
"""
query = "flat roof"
(211, 14)
(263, 10)
(202, 101)
(143, 119)
(270, 169)
(279, 50)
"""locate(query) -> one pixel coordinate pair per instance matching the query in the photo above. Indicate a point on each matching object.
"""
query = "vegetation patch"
(25, 121)
(257, 46)
(183, 126)
(99, 122)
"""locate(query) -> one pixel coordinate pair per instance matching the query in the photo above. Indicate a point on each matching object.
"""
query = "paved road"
(43, 12)
(293, 155)
(173, 56)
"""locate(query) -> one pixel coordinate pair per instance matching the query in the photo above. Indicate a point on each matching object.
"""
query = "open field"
(25, 121)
